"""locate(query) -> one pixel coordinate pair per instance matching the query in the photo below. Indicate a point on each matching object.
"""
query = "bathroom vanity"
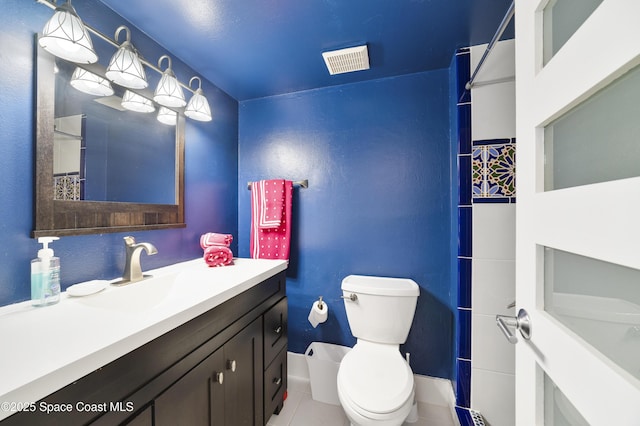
(210, 347)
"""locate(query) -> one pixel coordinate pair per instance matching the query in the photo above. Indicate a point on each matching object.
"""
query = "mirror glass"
(103, 152)
(100, 168)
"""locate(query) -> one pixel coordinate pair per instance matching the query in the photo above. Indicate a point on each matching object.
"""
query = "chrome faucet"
(132, 269)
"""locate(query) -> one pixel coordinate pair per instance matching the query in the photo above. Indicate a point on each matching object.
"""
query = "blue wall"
(210, 162)
(377, 155)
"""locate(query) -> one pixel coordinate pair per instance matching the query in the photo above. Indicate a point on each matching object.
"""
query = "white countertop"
(44, 349)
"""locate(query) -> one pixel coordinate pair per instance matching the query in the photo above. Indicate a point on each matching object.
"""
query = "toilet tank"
(383, 309)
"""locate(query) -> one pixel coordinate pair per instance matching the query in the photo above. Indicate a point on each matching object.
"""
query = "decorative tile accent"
(494, 171)
(67, 187)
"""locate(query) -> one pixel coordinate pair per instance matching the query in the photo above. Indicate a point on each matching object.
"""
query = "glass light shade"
(168, 92)
(167, 116)
(134, 102)
(90, 83)
(125, 67)
(66, 37)
(198, 107)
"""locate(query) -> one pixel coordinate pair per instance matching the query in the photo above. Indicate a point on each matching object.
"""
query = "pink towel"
(271, 194)
(270, 243)
(213, 239)
(218, 256)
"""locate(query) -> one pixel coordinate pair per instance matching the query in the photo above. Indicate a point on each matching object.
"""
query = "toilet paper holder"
(320, 303)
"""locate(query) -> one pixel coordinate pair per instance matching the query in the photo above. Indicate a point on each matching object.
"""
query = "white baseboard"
(430, 390)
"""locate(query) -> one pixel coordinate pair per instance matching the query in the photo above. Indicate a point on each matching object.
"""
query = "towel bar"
(301, 183)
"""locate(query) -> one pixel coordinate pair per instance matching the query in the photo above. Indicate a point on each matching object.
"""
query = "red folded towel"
(270, 243)
(218, 256)
(272, 196)
(213, 239)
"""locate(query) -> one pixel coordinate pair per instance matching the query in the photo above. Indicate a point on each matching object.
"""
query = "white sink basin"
(134, 297)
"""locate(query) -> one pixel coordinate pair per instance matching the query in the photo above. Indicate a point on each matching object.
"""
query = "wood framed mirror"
(58, 216)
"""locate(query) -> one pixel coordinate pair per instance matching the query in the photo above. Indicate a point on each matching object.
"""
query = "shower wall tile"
(463, 384)
(464, 344)
(465, 230)
(498, 66)
(494, 231)
(490, 349)
(464, 180)
(493, 112)
(493, 284)
(493, 394)
(486, 269)
(465, 294)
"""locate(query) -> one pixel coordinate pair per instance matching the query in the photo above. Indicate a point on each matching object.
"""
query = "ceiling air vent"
(347, 60)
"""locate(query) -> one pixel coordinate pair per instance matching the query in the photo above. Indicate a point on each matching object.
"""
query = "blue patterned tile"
(493, 171)
(463, 381)
(464, 338)
(465, 225)
(464, 283)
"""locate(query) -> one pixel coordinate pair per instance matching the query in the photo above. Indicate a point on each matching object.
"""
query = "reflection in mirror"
(104, 152)
(99, 168)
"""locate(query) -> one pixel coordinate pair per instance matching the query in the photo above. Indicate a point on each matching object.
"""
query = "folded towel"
(270, 243)
(218, 256)
(271, 195)
(213, 239)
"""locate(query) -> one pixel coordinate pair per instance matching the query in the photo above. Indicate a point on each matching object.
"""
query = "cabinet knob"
(277, 381)
(231, 365)
(278, 329)
(218, 377)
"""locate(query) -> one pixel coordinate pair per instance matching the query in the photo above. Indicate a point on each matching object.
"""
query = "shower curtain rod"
(496, 37)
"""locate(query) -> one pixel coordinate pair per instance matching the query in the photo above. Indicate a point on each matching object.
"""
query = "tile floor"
(301, 410)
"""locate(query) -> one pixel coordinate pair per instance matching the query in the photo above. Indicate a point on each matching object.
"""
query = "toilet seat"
(376, 381)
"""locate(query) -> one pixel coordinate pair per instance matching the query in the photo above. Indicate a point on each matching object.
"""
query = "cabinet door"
(243, 377)
(197, 398)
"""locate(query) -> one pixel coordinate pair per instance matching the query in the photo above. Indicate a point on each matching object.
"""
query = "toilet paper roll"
(318, 313)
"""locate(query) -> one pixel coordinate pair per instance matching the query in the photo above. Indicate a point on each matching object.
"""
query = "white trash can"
(324, 360)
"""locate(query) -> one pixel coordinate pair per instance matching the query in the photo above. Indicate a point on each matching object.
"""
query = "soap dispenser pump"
(45, 275)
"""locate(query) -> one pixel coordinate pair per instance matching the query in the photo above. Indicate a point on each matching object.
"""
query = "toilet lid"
(376, 381)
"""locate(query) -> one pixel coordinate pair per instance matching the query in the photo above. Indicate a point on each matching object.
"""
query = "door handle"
(231, 365)
(520, 322)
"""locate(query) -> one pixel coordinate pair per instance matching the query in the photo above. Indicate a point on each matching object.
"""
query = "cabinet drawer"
(275, 331)
(275, 384)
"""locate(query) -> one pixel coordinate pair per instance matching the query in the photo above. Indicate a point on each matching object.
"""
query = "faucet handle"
(129, 241)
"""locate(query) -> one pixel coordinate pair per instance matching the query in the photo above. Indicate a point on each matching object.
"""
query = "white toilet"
(375, 382)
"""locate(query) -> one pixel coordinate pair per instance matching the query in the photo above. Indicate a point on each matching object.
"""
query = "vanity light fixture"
(125, 67)
(134, 102)
(167, 116)
(168, 92)
(90, 83)
(198, 106)
(66, 37)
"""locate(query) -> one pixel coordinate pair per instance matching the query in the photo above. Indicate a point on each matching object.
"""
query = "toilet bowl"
(375, 383)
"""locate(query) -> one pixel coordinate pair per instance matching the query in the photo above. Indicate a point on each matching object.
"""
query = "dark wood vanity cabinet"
(228, 367)
(219, 390)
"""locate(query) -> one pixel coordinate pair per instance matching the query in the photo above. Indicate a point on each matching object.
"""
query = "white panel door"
(578, 213)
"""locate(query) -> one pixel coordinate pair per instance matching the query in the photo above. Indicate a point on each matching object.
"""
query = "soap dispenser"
(45, 275)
